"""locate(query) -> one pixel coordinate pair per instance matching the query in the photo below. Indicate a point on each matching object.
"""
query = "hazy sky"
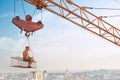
(60, 44)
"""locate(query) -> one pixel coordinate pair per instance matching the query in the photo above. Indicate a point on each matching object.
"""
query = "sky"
(60, 45)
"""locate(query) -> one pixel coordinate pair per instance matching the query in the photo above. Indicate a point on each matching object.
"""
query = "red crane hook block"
(27, 25)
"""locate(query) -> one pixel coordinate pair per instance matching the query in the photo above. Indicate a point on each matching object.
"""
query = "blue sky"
(60, 44)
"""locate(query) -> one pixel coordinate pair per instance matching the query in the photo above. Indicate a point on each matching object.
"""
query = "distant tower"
(102, 77)
(33, 76)
(39, 76)
(36, 75)
(44, 74)
(67, 75)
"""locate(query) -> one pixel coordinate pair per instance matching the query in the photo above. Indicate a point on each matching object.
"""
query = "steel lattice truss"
(81, 17)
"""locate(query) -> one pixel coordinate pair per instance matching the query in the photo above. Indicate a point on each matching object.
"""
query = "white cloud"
(9, 14)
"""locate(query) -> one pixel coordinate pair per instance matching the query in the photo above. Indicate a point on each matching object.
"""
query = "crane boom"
(81, 17)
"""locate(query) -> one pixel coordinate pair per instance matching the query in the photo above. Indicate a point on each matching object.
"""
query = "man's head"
(27, 48)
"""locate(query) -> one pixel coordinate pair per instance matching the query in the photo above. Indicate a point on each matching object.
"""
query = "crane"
(78, 15)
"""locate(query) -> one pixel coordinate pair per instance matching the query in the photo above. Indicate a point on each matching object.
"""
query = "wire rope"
(14, 7)
(117, 1)
(110, 16)
(29, 44)
(103, 8)
(41, 15)
(34, 12)
(23, 8)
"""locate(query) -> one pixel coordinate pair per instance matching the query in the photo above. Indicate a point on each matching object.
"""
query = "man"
(26, 56)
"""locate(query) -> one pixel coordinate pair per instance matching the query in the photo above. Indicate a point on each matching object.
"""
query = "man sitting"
(26, 56)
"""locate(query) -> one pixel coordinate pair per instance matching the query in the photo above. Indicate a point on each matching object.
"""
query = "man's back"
(25, 54)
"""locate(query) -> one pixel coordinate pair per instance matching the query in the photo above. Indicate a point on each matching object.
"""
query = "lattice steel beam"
(81, 17)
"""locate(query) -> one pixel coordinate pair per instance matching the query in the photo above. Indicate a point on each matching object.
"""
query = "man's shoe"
(29, 66)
